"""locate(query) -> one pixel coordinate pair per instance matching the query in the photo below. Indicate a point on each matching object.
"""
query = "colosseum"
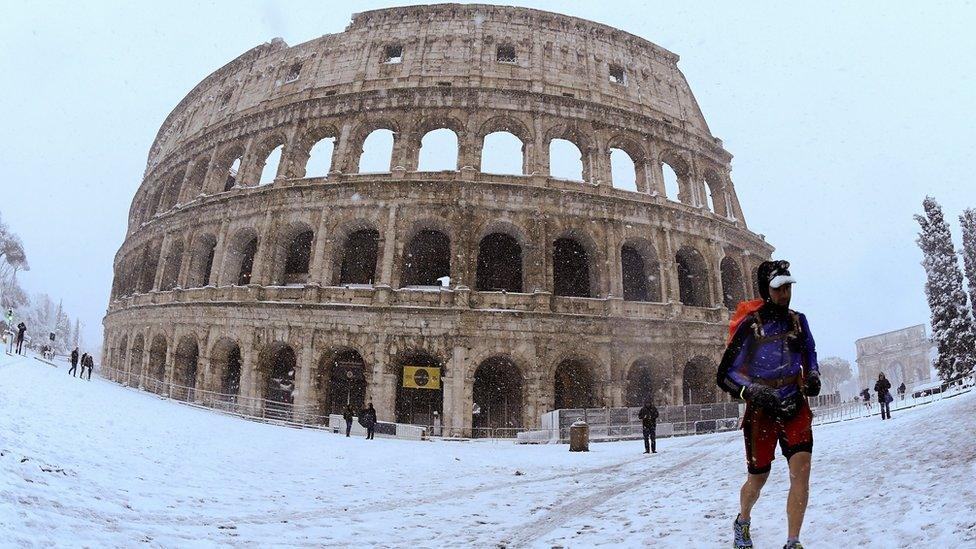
(549, 224)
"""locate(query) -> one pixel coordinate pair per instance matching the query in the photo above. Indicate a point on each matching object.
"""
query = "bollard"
(579, 436)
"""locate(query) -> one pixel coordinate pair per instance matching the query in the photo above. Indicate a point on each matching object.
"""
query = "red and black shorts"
(763, 430)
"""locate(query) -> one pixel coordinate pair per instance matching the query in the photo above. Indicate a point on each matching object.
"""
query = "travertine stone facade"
(902, 355)
(229, 285)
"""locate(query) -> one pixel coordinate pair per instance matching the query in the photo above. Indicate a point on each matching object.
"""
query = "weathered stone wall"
(339, 87)
(902, 355)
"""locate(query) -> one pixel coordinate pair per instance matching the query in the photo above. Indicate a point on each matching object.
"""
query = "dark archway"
(497, 395)
(692, 278)
(298, 256)
(417, 406)
(574, 385)
(246, 270)
(732, 289)
(359, 256)
(499, 264)
(570, 269)
(278, 364)
(698, 381)
(426, 258)
(226, 363)
(185, 364)
(345, 381)
(135, 361)
(634, 275)
(202, 261)
(157, 361)
(171, 266)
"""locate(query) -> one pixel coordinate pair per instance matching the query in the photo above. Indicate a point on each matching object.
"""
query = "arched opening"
(623, 172)
(157, 361)
(359, 255)
(426, 258)
(239, 260)
(501, 153)
(692, 278)
(171, 266)
(643, 385)
(201, 262)
(345, 382)
(226, 363)
(438, 151)
(698, 381)
(634, 275)
(497, 395)
(565, 160)
(120, 363)
(732, 290)
(417, 403)
(377, 154)
(499, 264)
(277, 364)
(230, 173)
(297, 257)
(570, 269)
(246, 270)
(148, 267)
(710, 195)
(270, 169)
(135, 361)
(196, 177)
(171, 193)
(185, 364)
(574, 385)
(320, 158)
(672, 189)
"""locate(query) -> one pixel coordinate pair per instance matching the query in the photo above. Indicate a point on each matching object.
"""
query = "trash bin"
(579, 436)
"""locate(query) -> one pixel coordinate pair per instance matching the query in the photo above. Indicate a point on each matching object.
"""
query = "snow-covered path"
(100, 465)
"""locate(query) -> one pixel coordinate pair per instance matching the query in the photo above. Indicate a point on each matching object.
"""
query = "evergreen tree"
(968, 222)
(952, 325)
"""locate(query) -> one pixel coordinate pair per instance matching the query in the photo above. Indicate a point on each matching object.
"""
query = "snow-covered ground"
(95, 464)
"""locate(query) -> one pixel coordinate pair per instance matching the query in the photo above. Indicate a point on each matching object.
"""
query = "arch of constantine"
(262, 260)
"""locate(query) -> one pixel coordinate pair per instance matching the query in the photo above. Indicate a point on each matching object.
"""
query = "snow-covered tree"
(834, 371)
(968, 222)
(952, 324)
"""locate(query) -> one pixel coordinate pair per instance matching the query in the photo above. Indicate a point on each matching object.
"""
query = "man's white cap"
(779, 280)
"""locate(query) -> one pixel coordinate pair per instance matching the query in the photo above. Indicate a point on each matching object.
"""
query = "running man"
(771, 363)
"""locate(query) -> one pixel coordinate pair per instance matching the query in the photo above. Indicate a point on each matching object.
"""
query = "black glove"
(763, 397)
(811, 385)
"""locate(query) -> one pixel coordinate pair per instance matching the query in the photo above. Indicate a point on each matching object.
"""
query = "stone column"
(188, 251)
(220, 255)
(164, 249)
(614, 262)
(319, 271)
(261, 271)
(389, 247)
(304, 395)
(213, 180)
(469, 151)
(343, 158)
(669, 270)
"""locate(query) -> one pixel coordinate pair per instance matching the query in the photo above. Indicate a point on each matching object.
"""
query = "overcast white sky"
(841, 118)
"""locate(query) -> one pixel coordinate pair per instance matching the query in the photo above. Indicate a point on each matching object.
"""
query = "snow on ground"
(95, 464)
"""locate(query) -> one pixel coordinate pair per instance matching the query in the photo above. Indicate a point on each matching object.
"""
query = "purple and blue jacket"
(777, 355)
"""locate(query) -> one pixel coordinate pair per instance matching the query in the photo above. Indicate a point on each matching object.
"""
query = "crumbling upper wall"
(445, 45)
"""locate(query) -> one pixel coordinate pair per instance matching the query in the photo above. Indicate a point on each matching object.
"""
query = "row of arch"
(498, 384)
(501, 264)
(502, 144)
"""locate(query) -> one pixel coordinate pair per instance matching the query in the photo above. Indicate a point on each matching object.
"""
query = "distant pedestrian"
(883, 388)
(648, 416)
(74, 363)
(866, 396)
(347, 415)
(901, 390)
(21, 328)
(90, 362)
(368, 419)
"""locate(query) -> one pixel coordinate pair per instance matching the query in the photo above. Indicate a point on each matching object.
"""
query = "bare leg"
(796, 502)
(749, 494)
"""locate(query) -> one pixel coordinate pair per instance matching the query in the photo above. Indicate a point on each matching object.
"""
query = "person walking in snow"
(21, 328)
(648, 416)
(771, 363)
(866, 397)
(90, 362)
(347, 415)
(74, 363)
(901, 390)
(883, 388)
(368, 419)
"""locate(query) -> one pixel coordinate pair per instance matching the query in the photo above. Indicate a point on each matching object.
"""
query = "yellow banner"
(421, 377)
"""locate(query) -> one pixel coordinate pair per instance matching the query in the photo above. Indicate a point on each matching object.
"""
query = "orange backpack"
(742, 311)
